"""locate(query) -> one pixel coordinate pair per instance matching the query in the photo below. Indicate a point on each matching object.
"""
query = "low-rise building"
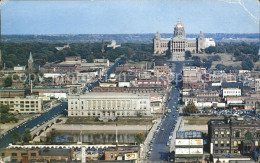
(10, 93)
(110, 105)
(231, 92)
(188, 146)
(128, 153)
(36, 155)
(23, 105)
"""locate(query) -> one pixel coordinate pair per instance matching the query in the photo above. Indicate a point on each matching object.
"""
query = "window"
(33, 154)
(14, 154)
(256, 143)
(228, 143)
(216, 143)
(23, 154)
(222, 143)
(258, 134)
(235, 143)
(237, 134)
(3, 154)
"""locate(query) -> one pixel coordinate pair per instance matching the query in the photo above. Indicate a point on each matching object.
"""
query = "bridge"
(40, 133)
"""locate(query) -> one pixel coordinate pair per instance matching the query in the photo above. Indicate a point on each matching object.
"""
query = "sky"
(128, 16)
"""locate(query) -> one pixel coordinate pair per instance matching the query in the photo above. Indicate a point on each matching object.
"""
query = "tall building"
(178, 44)
(30, 64)
(234, 138)
(191, 75)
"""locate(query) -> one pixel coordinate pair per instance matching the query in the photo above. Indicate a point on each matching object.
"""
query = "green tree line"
(18, 53)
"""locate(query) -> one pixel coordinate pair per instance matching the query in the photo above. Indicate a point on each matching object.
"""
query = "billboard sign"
(182, 142)
(131, 156)
(196, 141)
(196, 151)
(182, 151)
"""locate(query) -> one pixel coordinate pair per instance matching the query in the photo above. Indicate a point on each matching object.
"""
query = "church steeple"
(30, 58)
(30, 64)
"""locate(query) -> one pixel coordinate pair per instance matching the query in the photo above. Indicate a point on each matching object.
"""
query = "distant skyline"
(128, 16)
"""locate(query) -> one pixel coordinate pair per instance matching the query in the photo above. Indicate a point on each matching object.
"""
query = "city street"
(160, 148)
(34, 121)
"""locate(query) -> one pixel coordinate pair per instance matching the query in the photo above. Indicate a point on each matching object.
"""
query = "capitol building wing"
(178, 44)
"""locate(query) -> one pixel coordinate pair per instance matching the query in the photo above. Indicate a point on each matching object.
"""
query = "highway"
(34, 121)
(160, 150)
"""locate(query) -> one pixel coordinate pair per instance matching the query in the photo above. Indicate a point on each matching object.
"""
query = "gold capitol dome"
(179, 24)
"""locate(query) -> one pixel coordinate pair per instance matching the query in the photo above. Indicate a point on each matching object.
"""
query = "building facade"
(103, 104)
(231, 92)
(178, 44)
(235, 136)
(192, 77)
(23, 105)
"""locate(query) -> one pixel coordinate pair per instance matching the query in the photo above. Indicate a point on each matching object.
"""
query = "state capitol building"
(179, 43)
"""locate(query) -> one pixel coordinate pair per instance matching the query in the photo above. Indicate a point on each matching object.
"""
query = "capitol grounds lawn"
(119, 121)
(196, 120)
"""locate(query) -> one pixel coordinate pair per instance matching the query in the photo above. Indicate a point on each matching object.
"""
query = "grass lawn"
(120, 121)
(195, 120)
(24, 116)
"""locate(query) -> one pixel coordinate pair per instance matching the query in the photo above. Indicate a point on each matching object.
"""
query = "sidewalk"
(150, 136)
(177, 127)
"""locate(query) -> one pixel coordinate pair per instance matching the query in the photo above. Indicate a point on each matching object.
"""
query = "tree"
(190, 108)
(16, 137)
(8, 81)
(187, 54)
(139, 138)
(220, 67)
(237, 53)
(27, 136)
(211, 49)
(51, 137)
(247, 64)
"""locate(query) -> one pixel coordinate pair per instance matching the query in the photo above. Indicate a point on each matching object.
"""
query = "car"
(162, 129)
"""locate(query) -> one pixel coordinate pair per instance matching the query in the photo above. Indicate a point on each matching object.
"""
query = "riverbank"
(84, 127)
(119, 121)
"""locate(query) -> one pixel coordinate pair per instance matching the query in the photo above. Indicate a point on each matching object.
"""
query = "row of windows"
(82, 107)
(22, 154)
(16, 102)
(100, 113)
(223, 143)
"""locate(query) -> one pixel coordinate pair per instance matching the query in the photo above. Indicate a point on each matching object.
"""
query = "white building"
(257, 85)
(209, 42)
(231, 92)
(104, 104)
(19, 68)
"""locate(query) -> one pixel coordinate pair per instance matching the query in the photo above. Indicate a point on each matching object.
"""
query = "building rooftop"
(188, 134)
